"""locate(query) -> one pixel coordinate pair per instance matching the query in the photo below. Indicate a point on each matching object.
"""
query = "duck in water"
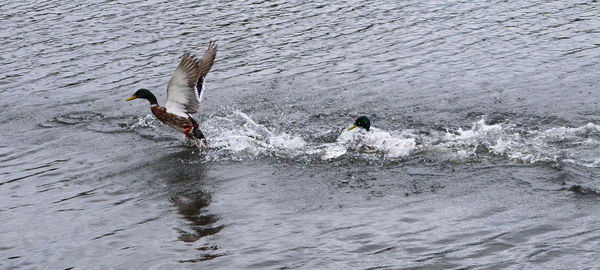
(362, 122)
(184, 93)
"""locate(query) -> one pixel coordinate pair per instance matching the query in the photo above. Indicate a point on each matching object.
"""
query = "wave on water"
(236, 136)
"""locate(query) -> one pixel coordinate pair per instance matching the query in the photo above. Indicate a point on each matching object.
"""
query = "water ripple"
(92, 180)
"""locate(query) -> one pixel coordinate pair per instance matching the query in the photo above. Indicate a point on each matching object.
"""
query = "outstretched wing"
(186, 86)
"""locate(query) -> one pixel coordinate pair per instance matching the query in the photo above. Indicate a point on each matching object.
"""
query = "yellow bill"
(353, 126)
(131, 97)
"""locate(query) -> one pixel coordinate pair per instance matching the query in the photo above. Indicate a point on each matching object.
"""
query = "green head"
(362, 122)
(145, 94)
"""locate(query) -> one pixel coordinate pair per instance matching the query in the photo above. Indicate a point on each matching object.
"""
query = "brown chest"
(175, 121)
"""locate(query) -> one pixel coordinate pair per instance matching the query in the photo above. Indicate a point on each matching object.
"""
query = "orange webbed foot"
(187, 130)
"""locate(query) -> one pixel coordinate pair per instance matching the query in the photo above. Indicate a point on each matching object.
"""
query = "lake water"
(484, 152)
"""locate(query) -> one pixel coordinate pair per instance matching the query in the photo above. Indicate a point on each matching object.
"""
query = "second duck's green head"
(362, 122)
(145, 94)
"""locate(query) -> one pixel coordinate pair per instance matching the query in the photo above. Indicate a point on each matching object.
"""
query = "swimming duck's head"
(362, 122)
(145, 94)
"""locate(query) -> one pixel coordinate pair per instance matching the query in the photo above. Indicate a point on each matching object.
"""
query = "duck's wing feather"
(186, 86)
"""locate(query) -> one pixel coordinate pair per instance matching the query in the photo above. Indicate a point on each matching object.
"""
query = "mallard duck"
(184, 93)
(362, 122)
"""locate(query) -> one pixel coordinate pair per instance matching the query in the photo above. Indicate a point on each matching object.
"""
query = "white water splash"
(375, 141)
(479, 129)
(147, 121)
(237, 136)
(563, 134)
(529, 146)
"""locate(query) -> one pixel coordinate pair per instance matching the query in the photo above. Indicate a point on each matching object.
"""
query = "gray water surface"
(485, 152)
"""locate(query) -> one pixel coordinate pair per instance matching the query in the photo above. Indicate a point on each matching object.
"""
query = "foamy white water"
(237, 136)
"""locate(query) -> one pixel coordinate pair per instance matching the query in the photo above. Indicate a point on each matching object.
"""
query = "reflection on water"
(186, 179)
(193, 208)
(201, 223)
